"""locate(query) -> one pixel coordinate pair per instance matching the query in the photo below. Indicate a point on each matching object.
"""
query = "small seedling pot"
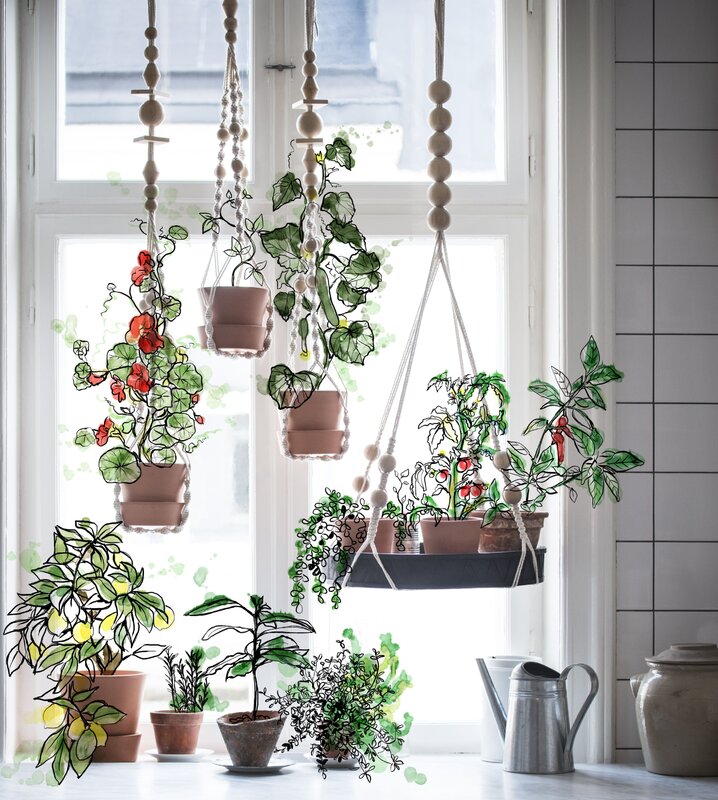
(313, 428)
(502, 534)
(251, 742)
(450, 535)
(176, 732)
(239, 318)
(155, 498)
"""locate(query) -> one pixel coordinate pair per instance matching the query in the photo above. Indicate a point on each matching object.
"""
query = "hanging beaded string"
(232, 99)
(309, 126)
(152, 114)
(438, 220)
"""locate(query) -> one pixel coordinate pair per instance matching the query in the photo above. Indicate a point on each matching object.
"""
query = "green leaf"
(286, 189)
(595, 485)
(170, 307)
(596, 438)
(159, 397)
(340, 152)
(489, 516)
(544, 389)
(177, 232)
(86, 745)
(590, 357)
(120, 359)
(583, 440)
(284, 303)
(80, 348)
(275, 617)
(108, 715)
(612, 485)
(325, 297)
(289, 389)
(181, 400)
(53, 656)
(606, 374)
(562, 380)
(347, 233)
(535, 424)
(119, 465)
(185, 376)
(159, 436)
(284, 245)
(181, 426)
(84, 437)
(516, 461)
(622, 460)
(362, 272)
(289, 657)
(339, 205)
(217, 603)
(159, 364)
(163, 456)
(350, 297)
(596, 396)
(353, 343)
(240, 669)
(50, 746)
(61, 762)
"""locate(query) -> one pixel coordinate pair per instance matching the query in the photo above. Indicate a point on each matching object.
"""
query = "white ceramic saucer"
(199, 755)
(335, 763)
(275, 766)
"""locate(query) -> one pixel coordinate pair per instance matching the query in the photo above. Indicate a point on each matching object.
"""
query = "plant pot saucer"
(235, 338)
(315, 443)
(275, 766)
(335, 763)
(199, 755)
(151, 514)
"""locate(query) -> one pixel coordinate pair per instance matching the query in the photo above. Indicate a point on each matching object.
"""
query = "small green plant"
(83, 616)
(186, 680)
(346, 706)
(269, 637)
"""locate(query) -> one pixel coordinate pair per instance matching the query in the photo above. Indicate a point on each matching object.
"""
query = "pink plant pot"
(502, 534)
(235, 338)
(355, 534)
(151, 515)
(156, 485)
(450, 535)
(237, 305)
(321, 411)
(315, 443)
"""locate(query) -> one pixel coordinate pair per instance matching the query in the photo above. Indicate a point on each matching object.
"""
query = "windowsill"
(457, 776)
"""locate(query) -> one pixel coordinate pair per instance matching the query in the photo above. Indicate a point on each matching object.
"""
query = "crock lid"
(694, 653)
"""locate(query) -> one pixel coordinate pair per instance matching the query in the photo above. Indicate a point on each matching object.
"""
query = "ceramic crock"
(677, 710)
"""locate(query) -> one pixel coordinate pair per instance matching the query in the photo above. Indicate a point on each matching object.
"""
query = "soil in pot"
(176, 732)
(355, 534)
(251, 742)
(450, 535)
(502, 535)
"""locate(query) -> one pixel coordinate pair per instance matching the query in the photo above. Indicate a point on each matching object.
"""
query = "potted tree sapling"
(77, 625)
(153, 387)
(269, 636)
(177, 729)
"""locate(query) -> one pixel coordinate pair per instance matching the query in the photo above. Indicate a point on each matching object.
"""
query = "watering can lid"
(692, 653)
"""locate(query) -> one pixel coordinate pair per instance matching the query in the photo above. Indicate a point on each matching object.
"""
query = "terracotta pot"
(154, 499)
(502, 535)
(355, 533)
(151, 515)
(320, 412)
(450, 535)
(251, 742)
(237, 305)
(677, 711)
(315, 443)
(122, 690)
(176, 732)
(235, 338)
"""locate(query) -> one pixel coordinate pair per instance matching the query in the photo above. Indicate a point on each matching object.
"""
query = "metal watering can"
(537, 737)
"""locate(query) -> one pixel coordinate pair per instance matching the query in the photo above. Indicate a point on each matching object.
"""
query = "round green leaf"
(181, 426)
(186, 377)
(163, 457)
(353, 343)
(121, 358)
(181, 400)
(159, 397)
(158, 436)
(119, 465)
(84, 437)
(177, 232)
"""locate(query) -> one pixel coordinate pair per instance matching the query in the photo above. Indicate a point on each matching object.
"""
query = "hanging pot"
(239, 317)
(450, 535)
(354, 535)
(155, 499)
(122, 690)
(314, 427)
(251, 742)
(176, 732)
(502, 535)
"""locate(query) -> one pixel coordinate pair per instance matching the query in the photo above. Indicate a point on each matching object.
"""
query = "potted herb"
(269, 637)
(345, 706)
(78, 624)
(153, 391)
(177, 730)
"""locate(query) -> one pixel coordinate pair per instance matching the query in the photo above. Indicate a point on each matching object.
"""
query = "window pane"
(214, 551)
(103, 61)
(376, 59)
(448, 620)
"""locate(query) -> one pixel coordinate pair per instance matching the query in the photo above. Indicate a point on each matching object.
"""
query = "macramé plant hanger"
(238, 319)
(444, 571)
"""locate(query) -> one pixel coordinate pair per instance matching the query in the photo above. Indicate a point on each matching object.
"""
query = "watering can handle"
(584, 708)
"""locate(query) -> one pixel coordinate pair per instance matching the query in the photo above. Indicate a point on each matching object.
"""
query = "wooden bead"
(439, 91)
(360, 484)
(151, 113)
(151, 192)
(439, 144)
(371, 452)
(230, 24)
(311, 281)
(439, 169)
(220, 171)
(378, 498)
(440, 119)
(151, 32)
(438, 219)
(309, 124)
(235, 128)
(151, 75)
(150, 173)
(151, 52)
(311, 245)
(502, 460)
(310, 90)
(311, 194)
(245, 172)
(310, 179)
(151, 204)
(222, 134)
(230, 7)
(300, 285)
(237, 165)
(438, 194)
(512, 496)
(310, 69)
(230, 37)
(387, 463)
(244, 135)
(310, 160)
(310, 55)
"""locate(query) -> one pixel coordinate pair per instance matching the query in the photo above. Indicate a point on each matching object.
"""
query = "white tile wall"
(634, 164)
(686, 299)
(634, 230)
(634, 641)
(634, 514)
(685, 576)
(634, 430)
(686, 368)
(634, 355)
(634, 299)
(683, 93)
(634, 90)
(673, 627)
(634, 578)
(626, 728)
(685, 163)
(685, 507)
(634, 30)
(686, 438)
(685, 30)
(686, 230)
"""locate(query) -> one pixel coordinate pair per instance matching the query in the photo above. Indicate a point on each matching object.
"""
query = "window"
(246, 498)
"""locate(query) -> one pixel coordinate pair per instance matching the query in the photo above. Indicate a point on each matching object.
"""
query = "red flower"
(140, 272)
(200, 419)
(103, 432)
(94, 379)
(143, 332)
(464, 491)
(195, 399)
(139, 378)
(477, 489)
(118, 389)
(557, 438)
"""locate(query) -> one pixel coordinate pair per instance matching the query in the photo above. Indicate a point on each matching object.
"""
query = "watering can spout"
(494, 700)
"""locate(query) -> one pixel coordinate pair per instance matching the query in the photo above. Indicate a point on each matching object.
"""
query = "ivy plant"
(153, 387)
(83, 615)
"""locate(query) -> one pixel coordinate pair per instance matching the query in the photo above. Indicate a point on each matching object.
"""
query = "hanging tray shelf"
(461, 571)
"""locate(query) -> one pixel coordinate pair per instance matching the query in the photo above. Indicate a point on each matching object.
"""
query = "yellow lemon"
(108, 624)
(99, 732)
(304, 355)
(53, 716)
(77, 728)
(121, 587)
(33, 653)
(163, 621)
(56, 623)
(81, 632)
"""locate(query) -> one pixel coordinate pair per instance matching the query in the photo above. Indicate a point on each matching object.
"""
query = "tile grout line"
(653, 344)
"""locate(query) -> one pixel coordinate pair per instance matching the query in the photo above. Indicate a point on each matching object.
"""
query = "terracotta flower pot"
(314, 427)
(238, 317)
(450, 535)
(176, 732)
(251, 742)
(122, 690)
(155, 498)
(502, 535)
(355, 533)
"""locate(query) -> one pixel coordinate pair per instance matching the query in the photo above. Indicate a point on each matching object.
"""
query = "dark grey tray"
(465, 571)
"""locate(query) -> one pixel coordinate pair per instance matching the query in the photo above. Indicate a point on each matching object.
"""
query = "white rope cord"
(236, 131)
(439, 220)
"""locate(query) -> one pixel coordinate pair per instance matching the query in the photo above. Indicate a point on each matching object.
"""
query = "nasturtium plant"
(346, 274)
(153, 387)
(82, 616)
